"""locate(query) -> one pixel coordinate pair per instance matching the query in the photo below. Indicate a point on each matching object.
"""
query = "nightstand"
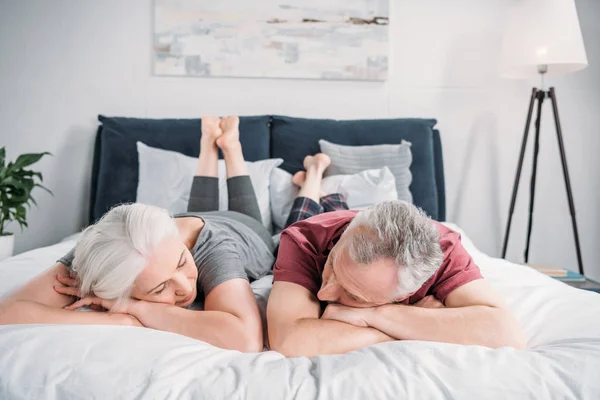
(587, 285)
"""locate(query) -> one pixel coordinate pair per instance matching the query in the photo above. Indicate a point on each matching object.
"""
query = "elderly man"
(346, 279)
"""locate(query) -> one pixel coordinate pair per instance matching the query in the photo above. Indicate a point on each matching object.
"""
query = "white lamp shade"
(542, 32)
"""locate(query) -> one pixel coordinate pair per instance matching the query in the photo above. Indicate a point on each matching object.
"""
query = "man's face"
(354, 285)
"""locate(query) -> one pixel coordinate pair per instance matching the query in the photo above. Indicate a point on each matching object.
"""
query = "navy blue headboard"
(115, 165)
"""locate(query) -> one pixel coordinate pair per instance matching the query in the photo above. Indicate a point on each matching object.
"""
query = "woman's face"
(170, 276)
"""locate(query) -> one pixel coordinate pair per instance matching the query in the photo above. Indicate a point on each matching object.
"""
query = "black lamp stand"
(540, 95)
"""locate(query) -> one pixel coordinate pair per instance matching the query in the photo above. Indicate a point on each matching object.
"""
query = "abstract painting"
(307, 39)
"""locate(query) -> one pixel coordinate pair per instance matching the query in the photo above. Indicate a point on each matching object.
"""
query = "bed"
(561, 323)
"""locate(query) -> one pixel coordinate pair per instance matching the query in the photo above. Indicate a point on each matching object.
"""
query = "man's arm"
(296, 330)
(231, 319)
(474, 315)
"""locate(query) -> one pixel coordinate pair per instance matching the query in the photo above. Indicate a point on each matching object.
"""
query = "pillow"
(115, 166)
(353, 159)
(361, 190)
(294, 138)
(165, 180)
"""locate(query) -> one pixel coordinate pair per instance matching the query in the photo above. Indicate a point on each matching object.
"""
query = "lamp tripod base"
(540, 96)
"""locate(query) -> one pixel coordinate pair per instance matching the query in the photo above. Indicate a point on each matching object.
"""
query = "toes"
(229, 123)
(308, 160)
(299, 178)
(210, 126)
(210, 120)
(323, 159)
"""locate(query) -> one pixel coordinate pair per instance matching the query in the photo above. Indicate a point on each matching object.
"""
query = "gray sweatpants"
(204, 195)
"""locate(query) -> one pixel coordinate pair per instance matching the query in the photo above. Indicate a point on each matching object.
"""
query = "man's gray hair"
(111, 253)
(399, 231)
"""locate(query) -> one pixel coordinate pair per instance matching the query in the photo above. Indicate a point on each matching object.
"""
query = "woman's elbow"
(250, 337)
(252, 344)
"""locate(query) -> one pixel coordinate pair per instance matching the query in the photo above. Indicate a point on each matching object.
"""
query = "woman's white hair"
(111, 253)
(399, 231)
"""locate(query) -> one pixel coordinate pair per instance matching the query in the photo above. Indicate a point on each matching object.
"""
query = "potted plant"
(16, 184)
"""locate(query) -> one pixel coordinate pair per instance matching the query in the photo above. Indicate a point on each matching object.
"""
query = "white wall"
(62, 62)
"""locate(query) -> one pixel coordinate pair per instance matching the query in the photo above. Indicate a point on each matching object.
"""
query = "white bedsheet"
(562, 361)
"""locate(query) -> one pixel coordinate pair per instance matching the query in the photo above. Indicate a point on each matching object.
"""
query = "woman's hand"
(100, 304)
(71, 288)
(121, 313)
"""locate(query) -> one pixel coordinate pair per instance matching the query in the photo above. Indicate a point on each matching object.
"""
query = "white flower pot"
(7, 246)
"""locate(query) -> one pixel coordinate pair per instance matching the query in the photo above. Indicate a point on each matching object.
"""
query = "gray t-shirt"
(231, 245)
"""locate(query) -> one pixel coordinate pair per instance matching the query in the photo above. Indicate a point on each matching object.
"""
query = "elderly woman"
(147, 267)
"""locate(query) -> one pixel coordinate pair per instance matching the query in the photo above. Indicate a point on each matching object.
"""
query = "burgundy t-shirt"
(304, 248)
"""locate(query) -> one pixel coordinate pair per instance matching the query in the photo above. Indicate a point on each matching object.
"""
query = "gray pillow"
(347, 160)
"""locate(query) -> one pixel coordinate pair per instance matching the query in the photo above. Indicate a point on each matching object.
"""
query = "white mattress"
(562, 361)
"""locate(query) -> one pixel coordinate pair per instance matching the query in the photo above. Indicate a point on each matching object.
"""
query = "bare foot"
(299, 178)
(210, 130)
(319, 161)
(231, 133)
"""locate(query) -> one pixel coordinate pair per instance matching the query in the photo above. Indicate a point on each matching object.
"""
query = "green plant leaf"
(16, 186)
(27, 159)
(45, 188)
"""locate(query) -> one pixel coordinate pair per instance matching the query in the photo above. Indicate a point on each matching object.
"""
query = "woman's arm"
(38, 302)
(41, 289)
(30, 312)
(231, 319)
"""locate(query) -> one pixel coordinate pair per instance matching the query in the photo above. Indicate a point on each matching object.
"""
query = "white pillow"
(361, 190)
(353, 159)
(165, 180)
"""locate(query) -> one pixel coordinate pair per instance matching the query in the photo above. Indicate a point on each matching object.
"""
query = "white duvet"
(562, 361)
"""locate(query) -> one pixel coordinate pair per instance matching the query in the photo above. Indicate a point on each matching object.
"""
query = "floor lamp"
(542, 38)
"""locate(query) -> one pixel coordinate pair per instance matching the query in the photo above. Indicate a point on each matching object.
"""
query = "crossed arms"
(473, 314)
(231, 318)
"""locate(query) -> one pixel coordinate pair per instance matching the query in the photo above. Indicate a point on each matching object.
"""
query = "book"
(561, 274)
(571, 277)
(552, 272)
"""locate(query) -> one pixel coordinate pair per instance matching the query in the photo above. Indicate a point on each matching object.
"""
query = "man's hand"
(349, 315)
(429, 302)
(359, 316)
(473, 314)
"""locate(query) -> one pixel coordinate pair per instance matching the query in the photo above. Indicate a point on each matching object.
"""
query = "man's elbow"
(284, 344)
(508, 331)
(516, 339)
(9, 310)
(287, 349)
